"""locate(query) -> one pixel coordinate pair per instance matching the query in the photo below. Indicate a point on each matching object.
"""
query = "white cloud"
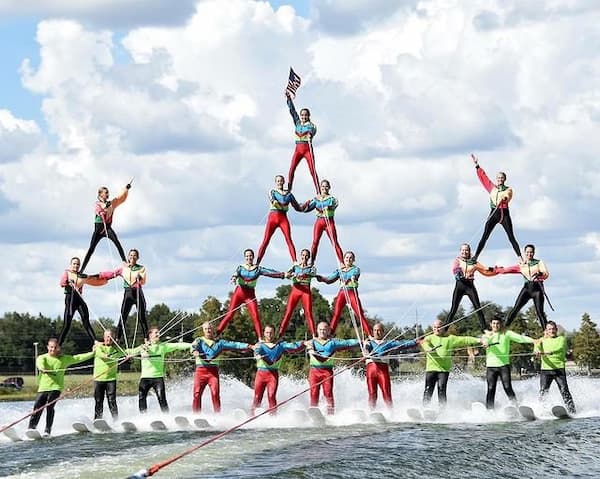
(17, 136)
(195, 112)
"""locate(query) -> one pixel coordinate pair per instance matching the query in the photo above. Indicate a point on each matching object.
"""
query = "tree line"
(20, 331)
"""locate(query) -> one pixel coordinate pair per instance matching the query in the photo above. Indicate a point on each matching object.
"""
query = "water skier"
(553, 352)
(72, 281)
(206, 349)
(304, 131)
(268, 355)
(348, 276)
(134, 277)
(106, 360)
(439, 348)
(497, 360)
(320, 374)
(377, 369)
(534, 272)
(153, 354)
(464, 268)
(500, 196)
(325, 206)
(104, 210)
(51, 381)
(280, 200)
(245, 277)
(301, 274)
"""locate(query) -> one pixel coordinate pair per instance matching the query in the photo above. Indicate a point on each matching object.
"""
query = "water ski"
(527, 413)
(128, 426)
(158, 425)
(414, 414)
(12, 434)
(316, 416)
(377, 418)
(201, 423)
(101, 425)
(80, 427)
(33, 434)
(510, 412)
(182, 422)
(560, 412)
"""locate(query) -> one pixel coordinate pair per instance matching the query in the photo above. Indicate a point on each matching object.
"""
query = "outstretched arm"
(122, 197)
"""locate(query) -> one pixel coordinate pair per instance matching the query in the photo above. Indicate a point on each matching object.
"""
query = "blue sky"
(188, 99)
(17, 41)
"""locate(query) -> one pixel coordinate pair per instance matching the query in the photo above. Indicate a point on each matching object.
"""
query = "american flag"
(293, 83)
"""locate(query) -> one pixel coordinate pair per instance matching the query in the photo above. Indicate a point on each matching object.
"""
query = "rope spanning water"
(161, 465)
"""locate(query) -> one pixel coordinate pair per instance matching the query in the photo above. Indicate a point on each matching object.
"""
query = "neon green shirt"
(498, 353)
(555, 352)
(440, 358)
(153, 357)
(52, 369)
(106, 359)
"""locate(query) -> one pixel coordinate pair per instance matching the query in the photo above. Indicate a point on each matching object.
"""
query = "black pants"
(133, 297)
(74, 303)
(531, 290)
(492, 374)
(41, 400)
(560, 376)
(431, 379)
(101, 232)
(466, 287)
(108, 389)
(158, 385)
(502, 216)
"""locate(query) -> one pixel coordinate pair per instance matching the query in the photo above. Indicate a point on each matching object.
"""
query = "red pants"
(338, 309)
(268, 380)
(321, 224)
(378, 375)
(277, 219)
(303, 150)
(242, 296)
(318, 377)
(206, 376)
(297, 293)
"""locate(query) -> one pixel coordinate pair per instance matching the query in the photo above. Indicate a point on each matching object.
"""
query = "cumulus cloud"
(196, 113)
(350, 16)
(17, 136)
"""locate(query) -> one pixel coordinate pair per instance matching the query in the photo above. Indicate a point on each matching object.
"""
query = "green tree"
(586, 344)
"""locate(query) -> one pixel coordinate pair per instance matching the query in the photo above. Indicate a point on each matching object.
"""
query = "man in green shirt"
(153, 368)
(497, 360)
(106, 357)
(51, 381)
(553, 352)
(439, 349)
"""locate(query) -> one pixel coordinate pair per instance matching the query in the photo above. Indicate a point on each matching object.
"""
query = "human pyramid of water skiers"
(270, 348)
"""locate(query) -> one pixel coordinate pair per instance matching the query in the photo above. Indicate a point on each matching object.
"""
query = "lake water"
(458, 444)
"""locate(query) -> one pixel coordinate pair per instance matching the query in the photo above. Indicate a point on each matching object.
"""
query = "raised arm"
(120, 199)
(292, 109)
(483, 178)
